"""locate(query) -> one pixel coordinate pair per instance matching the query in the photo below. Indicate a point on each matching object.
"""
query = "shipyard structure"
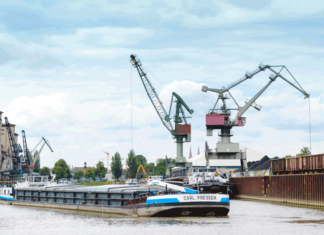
(6, 163)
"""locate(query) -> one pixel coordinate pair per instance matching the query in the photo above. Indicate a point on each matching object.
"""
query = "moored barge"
(156, 199)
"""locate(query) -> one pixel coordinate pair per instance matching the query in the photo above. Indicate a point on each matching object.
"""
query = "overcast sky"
(65, 72)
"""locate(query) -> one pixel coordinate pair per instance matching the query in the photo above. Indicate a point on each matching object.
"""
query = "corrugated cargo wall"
(298, 164)
(304, 189)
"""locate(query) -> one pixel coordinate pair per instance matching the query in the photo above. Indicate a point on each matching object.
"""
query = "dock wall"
(303, 189)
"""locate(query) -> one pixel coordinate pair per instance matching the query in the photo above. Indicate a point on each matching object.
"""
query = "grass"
(87, 183)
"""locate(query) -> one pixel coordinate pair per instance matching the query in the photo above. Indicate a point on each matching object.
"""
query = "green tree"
(100, 170)
(160, 168)
(288, 156)
(45, 171)
(149, 167)
(304, 152)
(78, 175)
(116, 166)
(90, 172)
(61, 170)
(132, 164)
(141, 159)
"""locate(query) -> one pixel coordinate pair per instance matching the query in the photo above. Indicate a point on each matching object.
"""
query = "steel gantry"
(220, 118)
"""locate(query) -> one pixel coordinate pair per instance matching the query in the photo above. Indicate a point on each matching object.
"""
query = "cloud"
(23, 16)
(27, 55)
(101, 37)
(69, 77)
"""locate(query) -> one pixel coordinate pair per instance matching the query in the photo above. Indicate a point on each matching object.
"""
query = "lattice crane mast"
(180, 131)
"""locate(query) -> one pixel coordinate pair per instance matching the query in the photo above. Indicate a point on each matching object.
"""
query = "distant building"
(76, 169)
(198, 163)
(109, 176)
(73, 170)
(5, 154)
(5, 144)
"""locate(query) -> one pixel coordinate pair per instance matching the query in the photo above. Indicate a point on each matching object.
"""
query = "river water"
(245, 217)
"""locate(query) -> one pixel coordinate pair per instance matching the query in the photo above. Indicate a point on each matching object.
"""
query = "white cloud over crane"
(65, 72)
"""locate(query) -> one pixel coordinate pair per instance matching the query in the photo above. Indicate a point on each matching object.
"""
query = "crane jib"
(154, 98)
(179, 132)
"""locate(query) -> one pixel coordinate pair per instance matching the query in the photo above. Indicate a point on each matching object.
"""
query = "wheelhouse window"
(38, 179)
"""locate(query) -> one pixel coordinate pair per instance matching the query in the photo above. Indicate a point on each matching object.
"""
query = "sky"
(65, 73)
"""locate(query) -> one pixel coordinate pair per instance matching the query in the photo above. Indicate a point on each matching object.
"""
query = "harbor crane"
(181, 130)
(15, 150)
(220, 118)
(27, 157)
(37, 153)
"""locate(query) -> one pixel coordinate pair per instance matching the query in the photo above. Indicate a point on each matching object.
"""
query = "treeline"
(303, 152)
(92, 172)
(133, 162)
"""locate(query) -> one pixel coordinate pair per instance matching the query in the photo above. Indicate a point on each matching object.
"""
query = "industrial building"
(5, 154)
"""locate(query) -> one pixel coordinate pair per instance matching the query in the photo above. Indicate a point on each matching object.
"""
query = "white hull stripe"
(182, 198)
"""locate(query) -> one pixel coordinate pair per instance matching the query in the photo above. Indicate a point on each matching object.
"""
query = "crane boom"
(182, 103)
(248, 75)
(249, 103)
(26, 151)
(280, 75)
(243, 109)
(219, 118)
(36, 157)
(150, 90)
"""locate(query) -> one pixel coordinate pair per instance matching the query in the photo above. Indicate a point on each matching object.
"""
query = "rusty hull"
(302, 189)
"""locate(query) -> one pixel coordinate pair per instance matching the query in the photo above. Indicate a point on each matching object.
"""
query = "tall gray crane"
(180, 131)
(221, 118)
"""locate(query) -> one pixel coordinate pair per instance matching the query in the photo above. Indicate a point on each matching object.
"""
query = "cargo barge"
(157, 199)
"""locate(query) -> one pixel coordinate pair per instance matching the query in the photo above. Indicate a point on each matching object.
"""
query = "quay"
(296, 189)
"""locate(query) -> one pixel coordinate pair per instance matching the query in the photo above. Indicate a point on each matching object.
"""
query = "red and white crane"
(220, 118)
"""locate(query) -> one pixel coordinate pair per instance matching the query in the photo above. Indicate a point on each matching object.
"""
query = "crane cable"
(156, 78)
(131, 107)
(310, 130)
